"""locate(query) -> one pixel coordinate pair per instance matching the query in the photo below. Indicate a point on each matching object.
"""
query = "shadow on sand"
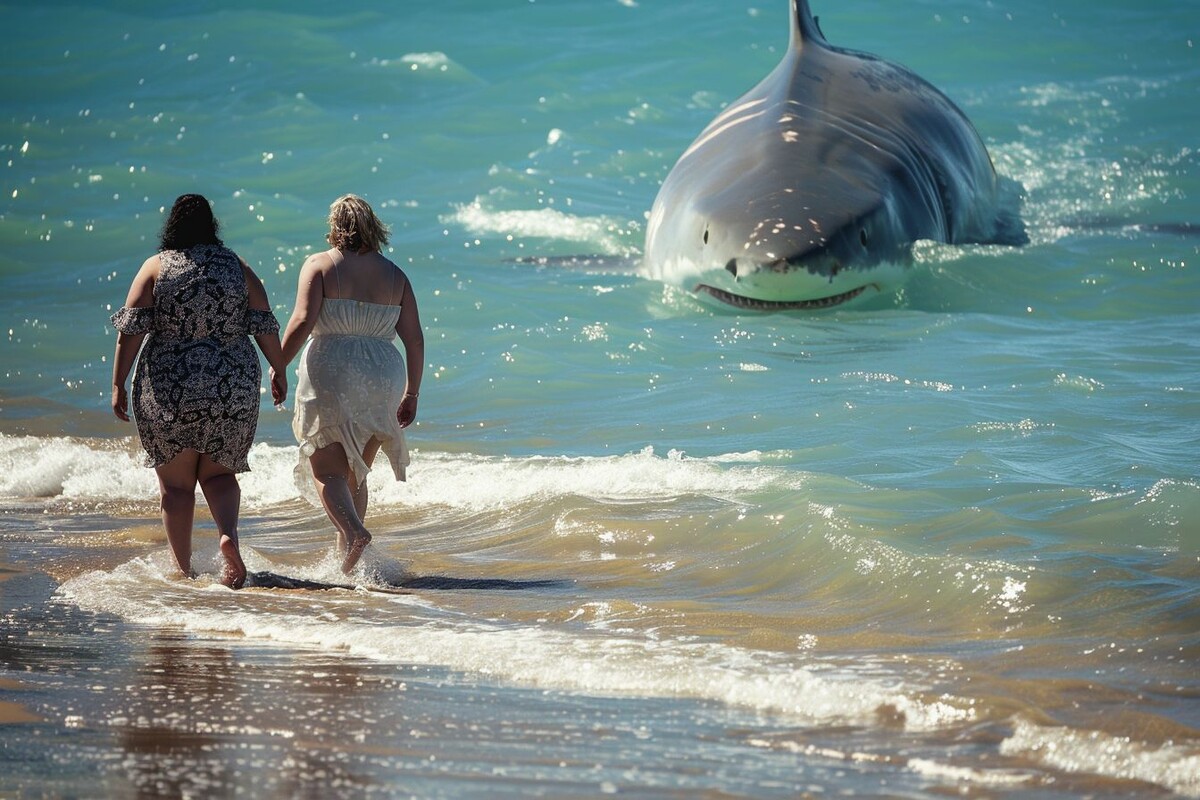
(273, 580)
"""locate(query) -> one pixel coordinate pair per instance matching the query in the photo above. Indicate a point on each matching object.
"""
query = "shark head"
(783, 217)
(784, 246)
(810, 189)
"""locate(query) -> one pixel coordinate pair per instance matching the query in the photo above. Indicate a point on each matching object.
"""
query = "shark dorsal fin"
(804, 25)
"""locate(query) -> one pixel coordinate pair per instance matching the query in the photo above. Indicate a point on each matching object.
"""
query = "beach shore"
(97, 706)
(12, 713)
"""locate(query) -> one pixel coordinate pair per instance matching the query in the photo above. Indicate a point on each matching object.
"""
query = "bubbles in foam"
(597, 233)
(410, 630)
(107, 470)
(32, 466)
(489, 483)
(1092, 752)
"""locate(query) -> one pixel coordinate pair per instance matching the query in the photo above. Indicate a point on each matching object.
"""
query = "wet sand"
(12, 713)
(115, 709)
(153, 692)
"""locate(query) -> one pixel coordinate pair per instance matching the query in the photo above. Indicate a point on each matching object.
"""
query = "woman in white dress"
(355, 394)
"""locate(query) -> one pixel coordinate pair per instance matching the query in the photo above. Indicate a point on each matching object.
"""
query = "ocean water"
(944, 542)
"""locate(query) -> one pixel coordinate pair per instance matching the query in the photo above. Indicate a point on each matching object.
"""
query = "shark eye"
(706, 235)
(862, 236)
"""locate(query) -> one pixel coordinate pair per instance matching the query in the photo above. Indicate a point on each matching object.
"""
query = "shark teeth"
(753, 304)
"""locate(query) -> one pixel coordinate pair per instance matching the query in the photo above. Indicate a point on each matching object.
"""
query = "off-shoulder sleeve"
(259, 322)
(134, 321)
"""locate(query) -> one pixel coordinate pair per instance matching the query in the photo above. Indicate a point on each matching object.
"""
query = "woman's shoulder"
(399, 279)
(319, 262)
(389, 265)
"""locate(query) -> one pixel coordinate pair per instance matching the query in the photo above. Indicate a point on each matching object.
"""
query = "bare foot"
(354, 551)
(234, 574)
(185, 570)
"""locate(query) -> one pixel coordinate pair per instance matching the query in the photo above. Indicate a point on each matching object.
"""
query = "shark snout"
(742, 267)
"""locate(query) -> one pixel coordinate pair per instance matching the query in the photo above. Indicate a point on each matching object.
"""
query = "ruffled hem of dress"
(261, 321)
(133, 321)
(394, 449)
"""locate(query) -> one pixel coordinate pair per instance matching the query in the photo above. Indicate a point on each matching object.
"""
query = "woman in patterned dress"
(355, 393)
(195, 306)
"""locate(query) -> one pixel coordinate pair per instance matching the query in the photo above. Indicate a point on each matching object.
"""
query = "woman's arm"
(268, 343)
(310, 294)
(413, 339)
(123, 358)
(141, 295)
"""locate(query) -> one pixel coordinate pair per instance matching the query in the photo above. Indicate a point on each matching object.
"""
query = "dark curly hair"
(190, 222)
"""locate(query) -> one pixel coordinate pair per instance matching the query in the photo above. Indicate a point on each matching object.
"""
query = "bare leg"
(177, 487)
(360, 501)
(331, 473)
(360, 492)
(224, 496)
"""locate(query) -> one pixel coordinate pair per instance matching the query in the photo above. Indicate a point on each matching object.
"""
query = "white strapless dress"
(350, 383)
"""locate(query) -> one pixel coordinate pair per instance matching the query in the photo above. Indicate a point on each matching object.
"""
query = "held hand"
(278, 386)
(407, 412)
(120, 403)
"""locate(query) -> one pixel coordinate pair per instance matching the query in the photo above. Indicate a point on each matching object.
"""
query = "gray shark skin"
(809, 190)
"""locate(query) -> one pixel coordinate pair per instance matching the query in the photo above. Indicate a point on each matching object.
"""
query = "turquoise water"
(946, 540)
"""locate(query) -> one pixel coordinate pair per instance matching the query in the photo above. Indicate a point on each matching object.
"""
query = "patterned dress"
(198, 377)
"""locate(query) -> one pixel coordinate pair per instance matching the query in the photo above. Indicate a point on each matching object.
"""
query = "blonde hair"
(353, 225)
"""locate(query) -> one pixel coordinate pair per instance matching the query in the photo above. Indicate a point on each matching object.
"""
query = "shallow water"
(943, 541)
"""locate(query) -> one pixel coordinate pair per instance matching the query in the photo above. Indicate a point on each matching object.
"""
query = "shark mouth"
(738, 301)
